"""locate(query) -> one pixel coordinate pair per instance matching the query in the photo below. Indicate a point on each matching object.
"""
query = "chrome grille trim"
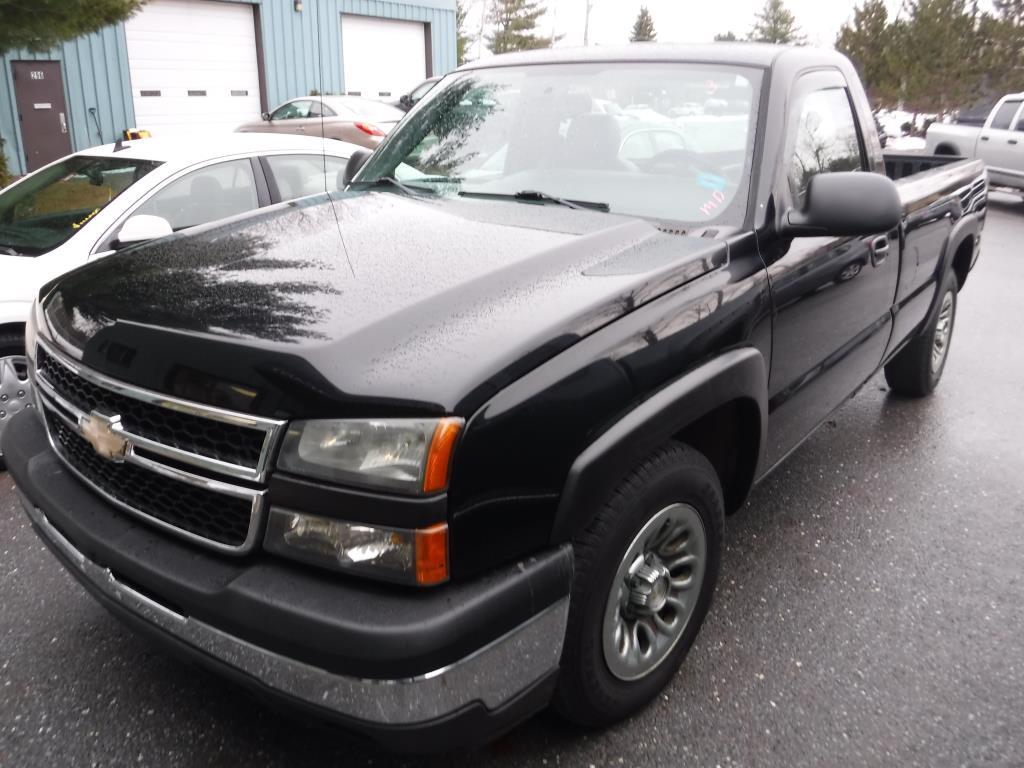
(51, 402)
(255, 497)
(271, 428)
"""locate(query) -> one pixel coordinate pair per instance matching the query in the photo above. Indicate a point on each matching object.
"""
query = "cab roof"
(760, 55)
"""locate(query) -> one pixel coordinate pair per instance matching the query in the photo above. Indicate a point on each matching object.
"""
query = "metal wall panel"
(301, 52)
(95, 73)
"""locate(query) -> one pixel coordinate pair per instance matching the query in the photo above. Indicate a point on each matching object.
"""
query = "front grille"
(201, 512)
(230, 443)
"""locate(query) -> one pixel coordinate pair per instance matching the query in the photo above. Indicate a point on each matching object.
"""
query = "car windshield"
(46, 209)
(658, 140)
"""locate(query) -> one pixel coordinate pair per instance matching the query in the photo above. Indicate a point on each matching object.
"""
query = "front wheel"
(916, 370)
(15, 385)
(645, 571)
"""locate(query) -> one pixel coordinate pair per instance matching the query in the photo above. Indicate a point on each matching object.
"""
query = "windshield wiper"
(533, 196)
(9, 250)
(396, 183)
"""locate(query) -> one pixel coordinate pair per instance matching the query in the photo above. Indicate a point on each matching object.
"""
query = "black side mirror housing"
(406, 100)
(357, 161)
(265, 116)
(846, 204)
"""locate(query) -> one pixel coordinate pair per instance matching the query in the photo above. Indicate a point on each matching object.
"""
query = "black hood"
(365, 301)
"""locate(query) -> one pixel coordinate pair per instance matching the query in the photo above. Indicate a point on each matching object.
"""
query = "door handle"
(63, 124)
(1011, 141)
(879, 249)
(984, 138)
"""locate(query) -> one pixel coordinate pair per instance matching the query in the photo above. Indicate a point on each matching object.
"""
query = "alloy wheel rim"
(655, 591)
(15, 388)
(943, 331)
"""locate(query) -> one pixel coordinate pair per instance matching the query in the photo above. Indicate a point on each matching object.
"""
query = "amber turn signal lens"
(435, 478)
(432, 554)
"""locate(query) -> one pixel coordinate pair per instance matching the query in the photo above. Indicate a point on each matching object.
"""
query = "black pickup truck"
(454, 443)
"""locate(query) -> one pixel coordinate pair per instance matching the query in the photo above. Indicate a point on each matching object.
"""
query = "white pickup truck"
(999, 142)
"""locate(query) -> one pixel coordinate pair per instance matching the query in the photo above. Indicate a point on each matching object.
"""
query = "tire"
(916, 370)
(676, 478)
(15, 390)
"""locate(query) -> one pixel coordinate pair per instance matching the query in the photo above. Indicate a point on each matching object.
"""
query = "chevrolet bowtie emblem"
(101, 431)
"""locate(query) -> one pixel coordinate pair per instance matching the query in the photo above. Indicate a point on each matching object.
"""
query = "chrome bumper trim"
(492, 675)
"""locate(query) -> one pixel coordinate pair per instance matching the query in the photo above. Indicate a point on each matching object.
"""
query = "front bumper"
(389, 662)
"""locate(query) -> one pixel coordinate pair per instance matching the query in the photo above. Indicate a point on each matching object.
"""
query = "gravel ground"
(869, 613)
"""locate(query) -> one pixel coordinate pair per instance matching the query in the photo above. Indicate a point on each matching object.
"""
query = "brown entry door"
(39, 93)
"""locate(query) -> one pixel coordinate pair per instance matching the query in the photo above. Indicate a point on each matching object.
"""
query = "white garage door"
(383, 58)
(193, 66)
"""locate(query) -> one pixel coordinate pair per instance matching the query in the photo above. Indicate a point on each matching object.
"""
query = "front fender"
(740, 374)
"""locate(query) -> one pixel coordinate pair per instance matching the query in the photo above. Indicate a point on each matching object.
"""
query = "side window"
(292, 110)
(319, 109)
(823, 139)
(300, 175)
(210, 193)
(1003, 116)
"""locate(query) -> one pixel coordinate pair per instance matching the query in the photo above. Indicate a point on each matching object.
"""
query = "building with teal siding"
(191, 67)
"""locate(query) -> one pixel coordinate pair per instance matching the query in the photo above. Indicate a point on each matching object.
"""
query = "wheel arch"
(946, 148)
(720, 408)
(958, 254)
(14, 328)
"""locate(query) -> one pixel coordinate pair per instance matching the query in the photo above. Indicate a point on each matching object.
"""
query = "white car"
(89, 204)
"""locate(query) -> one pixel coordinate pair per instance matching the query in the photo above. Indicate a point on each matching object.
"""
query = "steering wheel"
(677, 159)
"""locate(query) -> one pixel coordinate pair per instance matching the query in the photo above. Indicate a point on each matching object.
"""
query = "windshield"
(658, 140)
(46, 209)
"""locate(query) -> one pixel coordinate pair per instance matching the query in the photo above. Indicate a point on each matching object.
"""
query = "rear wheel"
(916, 370)
(645, 571)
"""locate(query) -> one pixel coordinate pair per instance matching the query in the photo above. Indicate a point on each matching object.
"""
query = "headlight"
(393, 554)
(405, 455)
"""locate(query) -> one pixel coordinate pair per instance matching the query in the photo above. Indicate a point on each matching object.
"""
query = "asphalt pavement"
(870, 612)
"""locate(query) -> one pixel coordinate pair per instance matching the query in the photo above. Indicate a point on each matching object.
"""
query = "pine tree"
(726, 37)
(1006, 31)
(944, 55)
(40, 24)
(868, 41)
(463, 39)
(643, 27)
(776, 24)
(515, 24)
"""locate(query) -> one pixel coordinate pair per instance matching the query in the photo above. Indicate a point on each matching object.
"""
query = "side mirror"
(265, 116)
(846, 204)
(406, 100)
(357, 161)
(139, 229)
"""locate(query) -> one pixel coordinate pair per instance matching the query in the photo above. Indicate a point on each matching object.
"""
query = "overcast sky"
(680, 21)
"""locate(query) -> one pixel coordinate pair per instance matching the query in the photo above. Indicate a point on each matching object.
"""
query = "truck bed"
(923, 179)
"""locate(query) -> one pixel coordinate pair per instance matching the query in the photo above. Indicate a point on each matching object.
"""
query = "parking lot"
(869, 611)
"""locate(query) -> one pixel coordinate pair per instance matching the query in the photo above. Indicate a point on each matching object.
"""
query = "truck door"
(832, 295)
(1001, 143)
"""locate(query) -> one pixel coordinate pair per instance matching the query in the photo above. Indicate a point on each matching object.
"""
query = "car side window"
(823, 139)
(205, 195)
(292, 110)
(300, 175)
(1004, 115)
(319, 109)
